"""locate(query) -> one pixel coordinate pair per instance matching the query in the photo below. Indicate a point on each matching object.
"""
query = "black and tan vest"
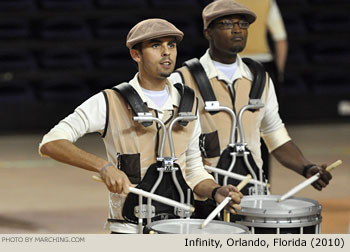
(133, 148)
(216, 127)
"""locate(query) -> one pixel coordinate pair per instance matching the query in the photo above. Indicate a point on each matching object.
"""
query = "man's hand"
(116, 180)
(324, 179)
(229, 191)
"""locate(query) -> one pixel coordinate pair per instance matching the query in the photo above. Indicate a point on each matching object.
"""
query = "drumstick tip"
(333, 165)
(202, 226)
(338, 162)
(97, 178)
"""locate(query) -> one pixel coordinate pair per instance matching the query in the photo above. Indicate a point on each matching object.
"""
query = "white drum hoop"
(263, 211)
(193, 226)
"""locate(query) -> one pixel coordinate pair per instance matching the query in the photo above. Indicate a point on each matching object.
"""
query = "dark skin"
(291, 157)
(224, 44)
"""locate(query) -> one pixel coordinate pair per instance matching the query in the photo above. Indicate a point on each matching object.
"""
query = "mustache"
(166, 59)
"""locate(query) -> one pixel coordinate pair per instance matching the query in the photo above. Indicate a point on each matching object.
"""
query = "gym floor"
(40, 196)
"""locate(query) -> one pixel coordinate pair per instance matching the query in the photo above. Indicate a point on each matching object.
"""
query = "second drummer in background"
(226, 25)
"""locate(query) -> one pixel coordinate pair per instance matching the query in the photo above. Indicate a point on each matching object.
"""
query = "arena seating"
(65, 51)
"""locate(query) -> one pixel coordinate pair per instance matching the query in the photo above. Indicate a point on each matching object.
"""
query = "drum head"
(267, 206)
(193, 226)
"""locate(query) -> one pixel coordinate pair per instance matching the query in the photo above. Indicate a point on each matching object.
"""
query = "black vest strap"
(204, 86)
(187, 100)
(133, 99)
(259, 78)
(137, 105)
(202, 80)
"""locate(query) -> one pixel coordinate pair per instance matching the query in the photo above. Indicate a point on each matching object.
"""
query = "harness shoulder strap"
(133, 99)
(187, 100)
(204, 86)
(200, 77)
(259, 78)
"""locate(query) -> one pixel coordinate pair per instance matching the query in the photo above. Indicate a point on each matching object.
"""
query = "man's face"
(157, 58)
(228, 35)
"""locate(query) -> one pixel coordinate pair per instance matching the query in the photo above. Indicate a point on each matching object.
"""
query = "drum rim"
(150, 226)
(280, 225)
(260, 212)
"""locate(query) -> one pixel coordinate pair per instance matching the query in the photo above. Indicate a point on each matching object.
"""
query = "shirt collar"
(173, 100)
(241, 72)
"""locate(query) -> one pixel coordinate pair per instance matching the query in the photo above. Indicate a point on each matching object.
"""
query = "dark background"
(54, 54)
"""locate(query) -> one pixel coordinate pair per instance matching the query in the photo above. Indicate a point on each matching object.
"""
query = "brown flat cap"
(151, 29)
(222, 8)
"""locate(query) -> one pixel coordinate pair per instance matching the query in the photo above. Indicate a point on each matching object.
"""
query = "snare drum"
(264, 215)
(193, 226)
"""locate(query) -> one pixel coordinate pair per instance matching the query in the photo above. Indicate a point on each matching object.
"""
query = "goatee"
(165, 75)
(237, 49)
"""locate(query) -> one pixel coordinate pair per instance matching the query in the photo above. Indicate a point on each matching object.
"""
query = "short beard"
(237, 49)
(164, 75)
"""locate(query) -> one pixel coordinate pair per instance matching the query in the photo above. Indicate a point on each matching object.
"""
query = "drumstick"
(307, 182)
(239, 187)
(155, 197)
(234, 175)
(224, 202)
(227, 216)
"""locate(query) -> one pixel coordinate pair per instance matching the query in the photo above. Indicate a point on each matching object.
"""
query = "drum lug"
(253, 192)
(144, 211)
(181, 213)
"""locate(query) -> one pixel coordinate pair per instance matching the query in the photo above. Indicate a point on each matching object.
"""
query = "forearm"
(66, 152)
(281, 48)
(291, 157)
(205, 188)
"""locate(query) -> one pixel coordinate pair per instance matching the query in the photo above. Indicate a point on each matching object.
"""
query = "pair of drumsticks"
(285, 196)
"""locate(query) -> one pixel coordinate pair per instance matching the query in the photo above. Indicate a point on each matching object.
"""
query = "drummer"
(130, 147)
(226, 26)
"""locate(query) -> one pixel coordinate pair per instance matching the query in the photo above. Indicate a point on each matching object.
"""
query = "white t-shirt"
(158, 97)
(227, 69)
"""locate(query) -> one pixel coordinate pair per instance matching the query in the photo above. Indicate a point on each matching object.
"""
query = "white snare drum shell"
(263, 214)
(193, 226)
(267, 206)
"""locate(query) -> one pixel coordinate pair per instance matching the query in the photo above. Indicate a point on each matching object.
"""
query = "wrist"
(104, 168)
(214, 192)
(306, 168)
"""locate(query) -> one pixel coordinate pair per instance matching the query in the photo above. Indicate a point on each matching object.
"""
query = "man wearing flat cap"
(132, 147)
(226, 24)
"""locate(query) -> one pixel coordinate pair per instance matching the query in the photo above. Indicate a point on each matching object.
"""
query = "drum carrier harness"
(236, 158)
(163, 177)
